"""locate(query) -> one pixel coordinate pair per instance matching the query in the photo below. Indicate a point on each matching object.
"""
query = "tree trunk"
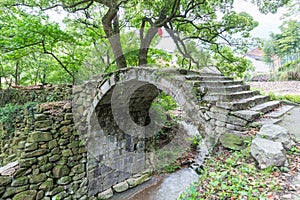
(17, 74)
(145, 44)
(112, 30)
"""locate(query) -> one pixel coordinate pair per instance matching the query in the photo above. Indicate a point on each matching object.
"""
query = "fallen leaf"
(276, 174)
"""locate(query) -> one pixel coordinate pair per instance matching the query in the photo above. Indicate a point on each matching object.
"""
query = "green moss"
(234, 142)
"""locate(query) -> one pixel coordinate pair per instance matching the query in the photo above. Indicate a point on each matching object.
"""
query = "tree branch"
(23, 47)
(59, 61)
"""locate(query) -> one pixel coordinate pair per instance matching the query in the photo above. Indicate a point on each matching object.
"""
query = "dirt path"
(278, 87)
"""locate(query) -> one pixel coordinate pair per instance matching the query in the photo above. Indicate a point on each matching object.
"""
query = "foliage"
(232, 175)
(286, 46)
(7, 112)
(290, 70)
(196, 140)
(34, 50)
(8, 115)
(97, 36)
(231, 65)
(289, 97)
(165, 101)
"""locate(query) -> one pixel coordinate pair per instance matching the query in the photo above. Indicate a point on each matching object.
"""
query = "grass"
(294, 98)
(233, 175)
(288, 97)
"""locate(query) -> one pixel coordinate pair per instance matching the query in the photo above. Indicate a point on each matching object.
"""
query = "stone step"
(280, 111)
(243, 104)
(221, 83)
(228, 96)
(233, 88)
(266, 107)
(208, 78)
(248, 115)
(262, 121)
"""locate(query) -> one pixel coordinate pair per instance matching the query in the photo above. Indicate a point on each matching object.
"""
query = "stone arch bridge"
(112, 112)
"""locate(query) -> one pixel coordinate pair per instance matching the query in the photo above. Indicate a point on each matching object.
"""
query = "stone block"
(40, 195)
(37, 178)
(67, 153)
(14, 190)
(47, 185)
(233, 141)
(121, 187)
(52, 144)
(276, 133)
(68, 116)
(5, 180)
(43, 125)
(61, 195)
(236, 121)
(20, 181)
(54, 158)
(64, 180)
(55, 191)
(38, 136)
(47, 167)
(80, 192)
(31, 146)
(60, 171)
(248, 115)
(28, 162)
(132, 182)
(35, 153)
(40, 117)
(26, 195)
(268, 153)
(106, 194)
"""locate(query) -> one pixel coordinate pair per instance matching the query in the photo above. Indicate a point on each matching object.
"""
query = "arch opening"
(132, 135)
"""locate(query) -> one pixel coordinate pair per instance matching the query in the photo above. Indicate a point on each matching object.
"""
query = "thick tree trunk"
(145, 44)
(112, 30)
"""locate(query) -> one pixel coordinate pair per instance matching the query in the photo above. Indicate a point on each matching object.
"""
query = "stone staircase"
(233, 106)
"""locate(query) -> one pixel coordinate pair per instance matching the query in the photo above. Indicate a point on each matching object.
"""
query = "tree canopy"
(101, 35)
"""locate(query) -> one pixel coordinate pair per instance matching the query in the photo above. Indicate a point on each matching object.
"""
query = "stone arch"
(218, 106)
(125, 146)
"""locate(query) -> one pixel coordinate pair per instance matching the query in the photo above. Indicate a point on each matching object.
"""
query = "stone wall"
(46, 158)
(51, 156)
(41, 94)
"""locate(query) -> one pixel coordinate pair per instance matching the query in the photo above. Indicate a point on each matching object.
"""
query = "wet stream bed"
(167, 187)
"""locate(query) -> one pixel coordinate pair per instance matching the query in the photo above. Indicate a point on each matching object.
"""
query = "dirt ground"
(278, 87)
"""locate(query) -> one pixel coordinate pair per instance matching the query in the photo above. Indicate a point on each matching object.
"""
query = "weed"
(232, 176)
(196, 140)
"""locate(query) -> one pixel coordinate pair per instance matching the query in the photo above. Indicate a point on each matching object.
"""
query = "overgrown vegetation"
(289, 97)
(196, 140)
(8, 115)
(282, 49)
(165, 101)
(290, 71)
(232, 175)
(170, 148)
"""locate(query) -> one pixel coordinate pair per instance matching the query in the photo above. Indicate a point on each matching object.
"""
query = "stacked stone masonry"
(40, 94)
(51, 156)
(95, 146)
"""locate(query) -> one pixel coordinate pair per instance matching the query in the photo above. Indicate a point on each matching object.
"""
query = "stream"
(168, 186)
